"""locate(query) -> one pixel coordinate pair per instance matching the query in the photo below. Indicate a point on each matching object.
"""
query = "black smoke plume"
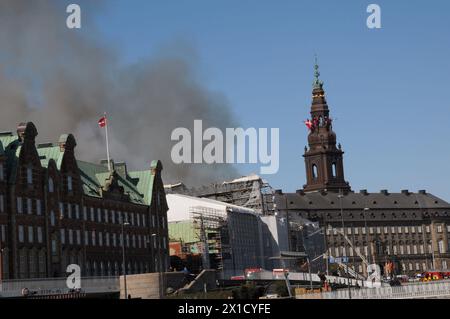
(64, 80)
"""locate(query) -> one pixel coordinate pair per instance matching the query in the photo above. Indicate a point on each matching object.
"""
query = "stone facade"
(412, 230)
(56, 210)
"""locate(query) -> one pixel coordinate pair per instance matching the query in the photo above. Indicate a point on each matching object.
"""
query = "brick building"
(406, 229)
(56, 210)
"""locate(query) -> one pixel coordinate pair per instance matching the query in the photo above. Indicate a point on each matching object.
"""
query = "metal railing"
(52, 286)
(301, 276)
(416, 291)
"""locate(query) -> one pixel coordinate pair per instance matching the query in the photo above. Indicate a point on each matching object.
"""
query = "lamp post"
(340, 196)
(325, 229)
(307, 258)
(124, 267)
(152, 244)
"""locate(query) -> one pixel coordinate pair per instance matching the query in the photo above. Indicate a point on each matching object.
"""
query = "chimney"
(405, 192)
(422, 192)
(364, 192)
(62, 142)
(21, 131)
(384, 191)
(300, 192)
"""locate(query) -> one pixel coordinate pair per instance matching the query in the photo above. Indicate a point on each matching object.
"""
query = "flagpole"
(107, 144)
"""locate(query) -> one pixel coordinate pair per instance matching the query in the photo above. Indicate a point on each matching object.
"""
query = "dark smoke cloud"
(63, 80)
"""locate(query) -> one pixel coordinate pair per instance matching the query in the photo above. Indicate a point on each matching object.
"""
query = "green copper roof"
(144, 181)
(88, 173)
(183, 231)
(137, 185)
(2, 150)
(95, 176)
(49, 151)
(7, 138)
(11, 149)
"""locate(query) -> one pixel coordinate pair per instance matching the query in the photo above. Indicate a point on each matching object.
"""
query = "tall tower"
(323, 160)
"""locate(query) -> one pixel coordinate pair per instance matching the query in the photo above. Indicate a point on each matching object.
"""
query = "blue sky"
(387, 89)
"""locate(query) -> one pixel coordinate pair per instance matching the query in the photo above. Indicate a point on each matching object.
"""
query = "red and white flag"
(102, 122)
(308, 124)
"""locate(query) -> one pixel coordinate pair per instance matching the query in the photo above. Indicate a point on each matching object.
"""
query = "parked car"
(402, 278)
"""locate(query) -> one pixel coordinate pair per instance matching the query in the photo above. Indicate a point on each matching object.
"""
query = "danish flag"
(308, 124)
(102, 122)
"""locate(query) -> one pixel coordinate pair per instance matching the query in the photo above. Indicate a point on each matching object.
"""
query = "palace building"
(56, 210)
(410, 231)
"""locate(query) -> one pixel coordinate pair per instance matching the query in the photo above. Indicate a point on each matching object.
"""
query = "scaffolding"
(210, 224)
(251, 192)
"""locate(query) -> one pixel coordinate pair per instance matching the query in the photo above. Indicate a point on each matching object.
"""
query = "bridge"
(306, 277)
(110, 286)
(422, 290)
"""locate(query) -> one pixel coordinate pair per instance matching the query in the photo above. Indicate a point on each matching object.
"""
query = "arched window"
(333, 169)
(32, 263)
(5, 265)
(69, 183)
(88, 269)
(94, 268)
(23, 262)
(29, 175)
(51, 186)
(314, 171)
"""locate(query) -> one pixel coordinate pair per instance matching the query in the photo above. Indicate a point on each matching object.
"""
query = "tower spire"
(317, 84)
(323, 160)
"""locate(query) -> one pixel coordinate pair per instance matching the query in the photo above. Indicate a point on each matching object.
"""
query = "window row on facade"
(91, 238)
(340, 251)
(411, 266)
(387, 230)
(33, 264)
(30, 179)
(72, 211)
